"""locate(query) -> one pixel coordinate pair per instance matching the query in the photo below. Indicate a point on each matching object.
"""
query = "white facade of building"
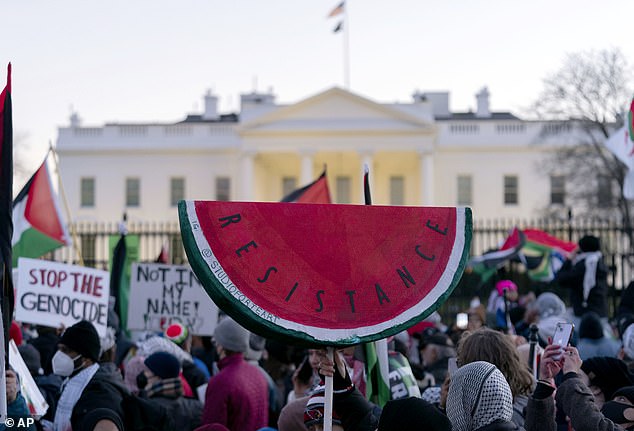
(419, 153)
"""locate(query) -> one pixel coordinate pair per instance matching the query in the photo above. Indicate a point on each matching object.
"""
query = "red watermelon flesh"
(327, 273)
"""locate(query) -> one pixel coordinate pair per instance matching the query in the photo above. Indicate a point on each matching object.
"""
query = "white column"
(427, 178)
(367, 159)
(306, 175)
(246, 176)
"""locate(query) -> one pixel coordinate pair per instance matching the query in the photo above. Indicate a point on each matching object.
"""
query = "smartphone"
(452, 366)
(462, 320)
(561, 337)
(563, 333)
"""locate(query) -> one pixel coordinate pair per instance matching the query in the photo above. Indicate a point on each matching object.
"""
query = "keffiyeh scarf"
(478, 395)
(591, 260)
(71, 392)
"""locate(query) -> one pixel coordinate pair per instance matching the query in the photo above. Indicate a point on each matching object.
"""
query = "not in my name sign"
(164, 294)
(54, 294)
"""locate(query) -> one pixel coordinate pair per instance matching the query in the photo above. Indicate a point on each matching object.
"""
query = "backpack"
(144, 415)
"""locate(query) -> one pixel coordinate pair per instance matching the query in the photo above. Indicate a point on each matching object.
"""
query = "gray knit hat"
(231, 336)
(256, 348)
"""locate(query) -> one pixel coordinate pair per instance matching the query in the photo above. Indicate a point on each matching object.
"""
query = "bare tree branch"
(591, 90)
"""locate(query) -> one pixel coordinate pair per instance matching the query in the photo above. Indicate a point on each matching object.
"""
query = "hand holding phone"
(562, 336)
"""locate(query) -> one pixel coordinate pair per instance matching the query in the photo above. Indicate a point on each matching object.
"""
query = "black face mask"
(141, 380)
(614, 410)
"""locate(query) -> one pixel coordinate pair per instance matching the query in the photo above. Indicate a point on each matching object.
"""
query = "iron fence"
(96, 240)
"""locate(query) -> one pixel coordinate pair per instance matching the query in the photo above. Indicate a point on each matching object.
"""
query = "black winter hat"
(591, 326)
(627, 392)
(163, 364)
(589, 243)
(409, 414)
(82, 337)
(608, 374)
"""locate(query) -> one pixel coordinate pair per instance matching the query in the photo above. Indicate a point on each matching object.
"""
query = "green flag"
(377, 372)
(124, 249)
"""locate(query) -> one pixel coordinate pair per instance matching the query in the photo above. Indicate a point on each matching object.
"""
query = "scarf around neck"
(591, 260)
(71, 392)
(169, 388)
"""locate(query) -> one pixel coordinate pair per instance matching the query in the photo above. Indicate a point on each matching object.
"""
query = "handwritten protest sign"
(52, 293)
(163, 294)
(34, 400)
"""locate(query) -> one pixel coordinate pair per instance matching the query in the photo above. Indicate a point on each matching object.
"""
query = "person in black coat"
(586, 276)
(90, 393)
(162, 385)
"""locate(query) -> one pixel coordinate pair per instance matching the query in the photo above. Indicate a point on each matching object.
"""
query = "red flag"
(164, 255)
(542, 238)
(493, 259)
(316, 192)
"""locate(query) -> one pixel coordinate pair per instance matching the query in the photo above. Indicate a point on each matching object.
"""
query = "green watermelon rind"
(196, 245)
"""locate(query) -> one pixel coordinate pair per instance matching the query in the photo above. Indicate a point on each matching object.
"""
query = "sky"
(152, 61)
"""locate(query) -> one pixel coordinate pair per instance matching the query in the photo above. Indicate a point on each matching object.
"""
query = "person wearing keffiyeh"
(480, 399)
(90, 394)
(161, 384)
(586, 275)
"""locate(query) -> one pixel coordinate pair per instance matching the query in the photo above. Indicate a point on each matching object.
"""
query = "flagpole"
(380, 346)
(346, 48)
(328, 392)
(73, 231)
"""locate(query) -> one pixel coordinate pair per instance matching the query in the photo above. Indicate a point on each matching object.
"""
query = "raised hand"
(572, 361)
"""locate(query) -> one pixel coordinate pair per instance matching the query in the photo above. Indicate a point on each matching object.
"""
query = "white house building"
(419, 153)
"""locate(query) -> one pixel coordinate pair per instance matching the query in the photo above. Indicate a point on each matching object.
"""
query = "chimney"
(439, 102)
(75, 121)
(254, 99)
(483, 104)
(211, 106)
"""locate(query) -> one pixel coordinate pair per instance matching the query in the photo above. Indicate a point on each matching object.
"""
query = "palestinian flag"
(543, 254)
(487, 264)
(316, 192)
(39, 226)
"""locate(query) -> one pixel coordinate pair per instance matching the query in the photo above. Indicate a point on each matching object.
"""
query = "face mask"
(141, 380)
(614, 410)
(63, 365)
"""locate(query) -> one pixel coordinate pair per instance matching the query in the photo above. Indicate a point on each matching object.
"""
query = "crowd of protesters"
(498, 370)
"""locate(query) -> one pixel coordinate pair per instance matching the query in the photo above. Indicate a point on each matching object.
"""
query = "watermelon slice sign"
(325, 274)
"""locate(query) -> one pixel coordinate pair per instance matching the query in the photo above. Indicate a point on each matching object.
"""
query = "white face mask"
(63, 365)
